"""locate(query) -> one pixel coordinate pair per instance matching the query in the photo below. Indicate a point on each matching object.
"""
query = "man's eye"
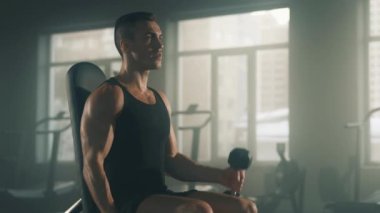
(148, 36)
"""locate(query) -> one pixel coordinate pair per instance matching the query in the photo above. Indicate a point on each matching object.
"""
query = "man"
(129, 143)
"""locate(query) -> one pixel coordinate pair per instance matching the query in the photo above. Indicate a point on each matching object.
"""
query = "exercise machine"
(289, 185)
(50, 193)
(358, 205)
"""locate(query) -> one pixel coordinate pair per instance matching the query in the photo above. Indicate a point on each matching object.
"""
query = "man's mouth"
(156, 55)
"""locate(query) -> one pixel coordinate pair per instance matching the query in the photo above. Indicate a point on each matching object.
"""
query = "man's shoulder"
(108, 91)
(107, 96)
(164, 99)
(160, 92)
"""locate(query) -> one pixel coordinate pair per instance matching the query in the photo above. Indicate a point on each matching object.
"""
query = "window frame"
(250, 51)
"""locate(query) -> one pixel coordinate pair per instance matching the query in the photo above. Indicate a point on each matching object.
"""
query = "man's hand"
(232, 179)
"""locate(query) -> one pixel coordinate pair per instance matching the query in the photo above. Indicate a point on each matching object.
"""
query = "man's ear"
(126, 45)
(123, 45)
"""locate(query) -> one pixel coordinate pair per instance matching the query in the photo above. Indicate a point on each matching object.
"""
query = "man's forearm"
(98, 186)
(185, 169)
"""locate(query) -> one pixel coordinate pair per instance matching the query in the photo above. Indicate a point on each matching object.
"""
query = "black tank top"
(135, 163)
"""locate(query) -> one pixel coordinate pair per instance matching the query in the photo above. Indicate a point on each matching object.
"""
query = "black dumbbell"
(239, 159)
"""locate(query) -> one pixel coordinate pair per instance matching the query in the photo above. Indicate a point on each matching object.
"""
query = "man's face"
(146, 46)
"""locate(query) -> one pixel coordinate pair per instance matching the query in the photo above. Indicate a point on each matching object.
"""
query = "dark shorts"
(132, 204)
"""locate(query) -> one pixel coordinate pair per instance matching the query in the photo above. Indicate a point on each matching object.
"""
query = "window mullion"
(214, 107)
(251, 86)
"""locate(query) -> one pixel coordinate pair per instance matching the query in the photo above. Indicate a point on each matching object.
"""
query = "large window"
(67, 49)
(374, 78)
(237, 67)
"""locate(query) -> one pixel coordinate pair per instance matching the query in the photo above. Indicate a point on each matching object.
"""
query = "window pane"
(195, 88)
(374, 88)
(58, 98)
(232, 103)
(374, 74)
(239, 30)
(83, 45)
(272, 124)
(58, 103)
(375, 137)
(374, 18)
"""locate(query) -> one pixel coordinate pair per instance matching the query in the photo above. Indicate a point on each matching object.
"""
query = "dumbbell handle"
(235, 194)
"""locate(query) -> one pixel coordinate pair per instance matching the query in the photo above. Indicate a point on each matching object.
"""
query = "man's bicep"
(96, 133)
(97, 122)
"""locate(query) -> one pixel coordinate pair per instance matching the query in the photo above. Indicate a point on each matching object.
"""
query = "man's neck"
(134, 79)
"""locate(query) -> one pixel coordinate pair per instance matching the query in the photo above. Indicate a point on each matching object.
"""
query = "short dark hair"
(125, 25)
